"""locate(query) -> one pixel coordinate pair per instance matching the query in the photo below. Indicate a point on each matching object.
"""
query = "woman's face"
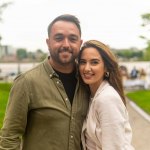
(91, 67)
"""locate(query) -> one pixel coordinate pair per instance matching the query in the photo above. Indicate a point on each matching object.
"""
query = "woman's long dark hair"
(110, 63)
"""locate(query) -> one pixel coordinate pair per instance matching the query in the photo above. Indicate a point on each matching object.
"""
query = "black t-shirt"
(69, 82)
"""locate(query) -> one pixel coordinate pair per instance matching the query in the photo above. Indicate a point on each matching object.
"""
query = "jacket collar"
(51, 72)
(102, 86)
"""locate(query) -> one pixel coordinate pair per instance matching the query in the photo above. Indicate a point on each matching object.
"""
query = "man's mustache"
(65, 50)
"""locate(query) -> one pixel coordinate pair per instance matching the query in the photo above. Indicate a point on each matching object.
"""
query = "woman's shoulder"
(107, 95)
(106, 89)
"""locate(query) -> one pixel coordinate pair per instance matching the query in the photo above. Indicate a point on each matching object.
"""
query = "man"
(47, 104)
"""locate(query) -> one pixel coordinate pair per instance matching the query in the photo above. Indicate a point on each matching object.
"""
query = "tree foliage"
(21, 53)
(3, 6)
(146, 23)
(129, 54)
(146, 19)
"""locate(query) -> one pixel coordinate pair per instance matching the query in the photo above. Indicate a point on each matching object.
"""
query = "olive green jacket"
(39, 114)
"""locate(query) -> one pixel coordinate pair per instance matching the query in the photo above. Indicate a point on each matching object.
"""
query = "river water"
(7, 68)
(14, 68)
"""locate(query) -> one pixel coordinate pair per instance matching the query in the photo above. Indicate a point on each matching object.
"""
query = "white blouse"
(107, 124)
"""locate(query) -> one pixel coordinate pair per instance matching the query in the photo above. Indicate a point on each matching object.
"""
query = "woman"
(107, 124)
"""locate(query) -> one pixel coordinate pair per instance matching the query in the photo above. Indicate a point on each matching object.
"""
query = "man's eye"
(73, 38)
(58, 37)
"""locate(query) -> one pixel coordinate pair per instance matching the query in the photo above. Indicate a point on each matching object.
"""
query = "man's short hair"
(65, 17)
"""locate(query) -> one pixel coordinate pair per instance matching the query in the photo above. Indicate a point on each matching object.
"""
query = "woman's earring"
(107, 74)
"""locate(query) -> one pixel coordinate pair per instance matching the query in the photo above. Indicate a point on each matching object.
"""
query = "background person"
(134, 73)
(107, 124)
(47, 104)
(142, 74)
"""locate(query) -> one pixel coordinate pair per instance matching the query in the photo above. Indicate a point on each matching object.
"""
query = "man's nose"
(66, 43)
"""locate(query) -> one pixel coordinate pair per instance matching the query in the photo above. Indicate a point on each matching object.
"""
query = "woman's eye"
(94, 62)
(81, 62)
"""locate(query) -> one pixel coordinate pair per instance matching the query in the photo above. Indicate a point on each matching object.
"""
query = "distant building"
(7, 53)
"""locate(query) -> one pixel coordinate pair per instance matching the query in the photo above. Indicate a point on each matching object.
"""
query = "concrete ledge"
(140, 111)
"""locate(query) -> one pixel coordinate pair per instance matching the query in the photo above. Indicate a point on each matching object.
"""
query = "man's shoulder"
(33, 72)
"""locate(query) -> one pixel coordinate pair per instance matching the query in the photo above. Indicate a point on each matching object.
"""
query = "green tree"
(31, 56)
(128, 54)
(3, 5)
(21, 53)
(146, 19)
(40, 55)
(146, 23)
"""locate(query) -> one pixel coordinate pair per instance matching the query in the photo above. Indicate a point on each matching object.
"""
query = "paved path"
(141, 129)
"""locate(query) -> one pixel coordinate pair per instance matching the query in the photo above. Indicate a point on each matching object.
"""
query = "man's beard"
(56, 57)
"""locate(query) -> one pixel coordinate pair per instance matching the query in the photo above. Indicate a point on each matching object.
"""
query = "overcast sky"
(114, 22)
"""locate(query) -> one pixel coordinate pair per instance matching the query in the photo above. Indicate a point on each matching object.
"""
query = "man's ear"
(47, 42)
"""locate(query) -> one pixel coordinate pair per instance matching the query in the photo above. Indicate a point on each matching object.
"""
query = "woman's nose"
(87, 67)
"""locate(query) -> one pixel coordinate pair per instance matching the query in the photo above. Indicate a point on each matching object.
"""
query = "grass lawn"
(4, 93)
(141, 98)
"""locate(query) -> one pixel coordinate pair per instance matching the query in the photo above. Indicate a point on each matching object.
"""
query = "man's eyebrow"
(58, 34)
(74, 35)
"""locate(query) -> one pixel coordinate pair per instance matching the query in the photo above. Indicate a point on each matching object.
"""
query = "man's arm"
(15, 117)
